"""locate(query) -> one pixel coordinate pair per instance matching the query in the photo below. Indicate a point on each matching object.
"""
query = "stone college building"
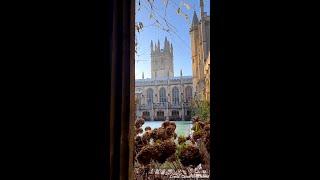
(163, 96)
(167, 97)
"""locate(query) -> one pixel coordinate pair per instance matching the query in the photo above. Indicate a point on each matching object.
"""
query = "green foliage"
(201, 109)
(180, 147)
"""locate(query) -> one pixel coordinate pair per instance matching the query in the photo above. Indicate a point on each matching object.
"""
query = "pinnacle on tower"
(201, 8)
(165, 44)
(151, 47)
(155, 47)
(195, 20)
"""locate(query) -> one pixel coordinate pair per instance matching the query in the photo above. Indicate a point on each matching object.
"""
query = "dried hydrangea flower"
(138, 144)
(139, 131)
(165, 123)
(201, 125)
(139, 122)
(146, 137)
(164, 150)
(147, 128)
(145, 155)
(173, 124)
(170, 131)
(161, 133)
(190, 156)
(154, 134)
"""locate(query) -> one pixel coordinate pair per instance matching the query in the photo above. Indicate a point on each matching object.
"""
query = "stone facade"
(207, 79)
(163, 96)
(200, 46)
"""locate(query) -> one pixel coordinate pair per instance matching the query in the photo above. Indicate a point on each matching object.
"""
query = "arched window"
(138, 99)
(149, 97)
(146, 115)
(175, 113)
(162, 93)
(160, 116)
(188, 92)
(175, 96)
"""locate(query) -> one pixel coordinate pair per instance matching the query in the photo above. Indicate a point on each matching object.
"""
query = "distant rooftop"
(163, 81)
(164, 78)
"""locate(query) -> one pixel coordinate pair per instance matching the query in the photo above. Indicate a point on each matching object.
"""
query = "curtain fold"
(120, 161)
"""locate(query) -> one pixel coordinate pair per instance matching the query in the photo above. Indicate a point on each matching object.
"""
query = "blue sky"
(178, 33)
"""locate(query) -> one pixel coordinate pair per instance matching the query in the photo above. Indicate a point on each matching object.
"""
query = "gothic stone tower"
(194, 34)
(162, 60)
(200, 46)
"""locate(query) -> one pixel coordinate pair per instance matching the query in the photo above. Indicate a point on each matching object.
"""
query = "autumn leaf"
(178, 11)
(187, 6)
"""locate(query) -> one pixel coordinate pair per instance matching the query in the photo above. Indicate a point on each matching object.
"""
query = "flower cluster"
(157, 144)
(195, 149)
(201, 132)
(190, 156)
(161, 145)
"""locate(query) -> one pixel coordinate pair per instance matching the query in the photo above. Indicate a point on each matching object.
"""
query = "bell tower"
(162, 60)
